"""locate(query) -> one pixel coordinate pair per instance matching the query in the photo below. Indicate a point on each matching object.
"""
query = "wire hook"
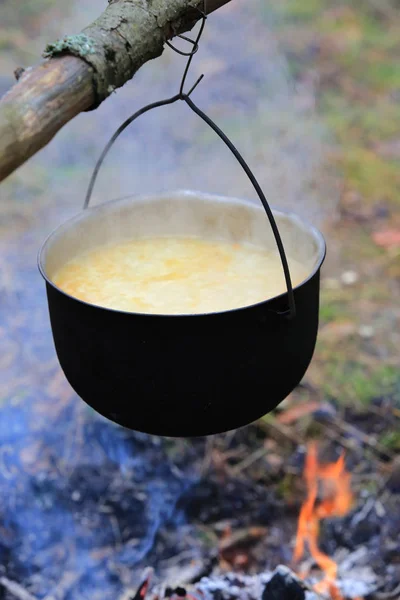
(187, 39)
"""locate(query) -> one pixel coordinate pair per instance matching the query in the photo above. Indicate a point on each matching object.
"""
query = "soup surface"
(176, 275)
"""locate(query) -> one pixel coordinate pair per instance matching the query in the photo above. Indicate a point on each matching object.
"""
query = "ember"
(332, 482)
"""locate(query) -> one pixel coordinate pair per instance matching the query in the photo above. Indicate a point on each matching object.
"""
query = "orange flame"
(332, 482)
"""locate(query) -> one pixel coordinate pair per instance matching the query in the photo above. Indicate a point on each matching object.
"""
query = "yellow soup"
(176, 275)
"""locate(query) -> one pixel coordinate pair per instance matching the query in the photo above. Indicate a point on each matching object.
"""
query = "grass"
(351, 383)
(332, 311)
(391, 440)
(360, 101)
(370, 175)
(363, 125)
(354, 46)
(30, 9)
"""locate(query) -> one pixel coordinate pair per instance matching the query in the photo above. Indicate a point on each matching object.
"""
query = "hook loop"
(187, 39)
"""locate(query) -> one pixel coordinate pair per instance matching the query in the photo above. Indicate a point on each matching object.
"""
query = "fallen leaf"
(353, 206)
(337, 330)
(295, 413)
(393, 481)
(241, 560)
(275, 461)
(387, 238)
(389, 149)
(241, 537)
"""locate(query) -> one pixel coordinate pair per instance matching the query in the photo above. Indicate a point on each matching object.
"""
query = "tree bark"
(81, 71)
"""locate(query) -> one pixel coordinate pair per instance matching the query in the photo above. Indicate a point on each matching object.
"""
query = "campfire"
(336, 501)
(86, 506)
(328, 495)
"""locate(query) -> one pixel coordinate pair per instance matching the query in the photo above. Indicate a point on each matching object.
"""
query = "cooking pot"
(192, 374)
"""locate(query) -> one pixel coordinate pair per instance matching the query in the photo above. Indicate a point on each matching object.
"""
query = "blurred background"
(309, 91)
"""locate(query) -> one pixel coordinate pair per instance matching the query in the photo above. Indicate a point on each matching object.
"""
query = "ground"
(353, 48)
(310, 89)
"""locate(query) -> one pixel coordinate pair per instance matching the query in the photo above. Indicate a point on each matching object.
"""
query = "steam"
(247, 90)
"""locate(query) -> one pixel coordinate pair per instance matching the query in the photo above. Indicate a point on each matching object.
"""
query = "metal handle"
(291, 313)
(261, 195)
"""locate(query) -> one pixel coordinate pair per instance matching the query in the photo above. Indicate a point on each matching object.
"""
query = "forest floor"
(348, 52)
(352, 49)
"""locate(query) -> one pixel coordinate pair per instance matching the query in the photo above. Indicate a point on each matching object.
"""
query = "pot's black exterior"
(185, 375)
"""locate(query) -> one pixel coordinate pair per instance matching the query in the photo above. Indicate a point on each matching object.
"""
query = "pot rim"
(202, 196)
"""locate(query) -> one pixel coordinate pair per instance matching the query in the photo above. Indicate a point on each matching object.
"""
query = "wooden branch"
(44, 99)
(83, 70)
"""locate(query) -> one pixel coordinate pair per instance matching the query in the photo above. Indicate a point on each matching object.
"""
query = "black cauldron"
(184, 375)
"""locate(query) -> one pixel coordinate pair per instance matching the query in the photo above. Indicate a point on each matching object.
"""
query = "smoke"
(82, 501)
(77, 493)
(79, 496)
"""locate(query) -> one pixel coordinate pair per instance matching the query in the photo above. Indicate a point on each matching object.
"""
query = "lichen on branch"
(78, 45)
(123, 38)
